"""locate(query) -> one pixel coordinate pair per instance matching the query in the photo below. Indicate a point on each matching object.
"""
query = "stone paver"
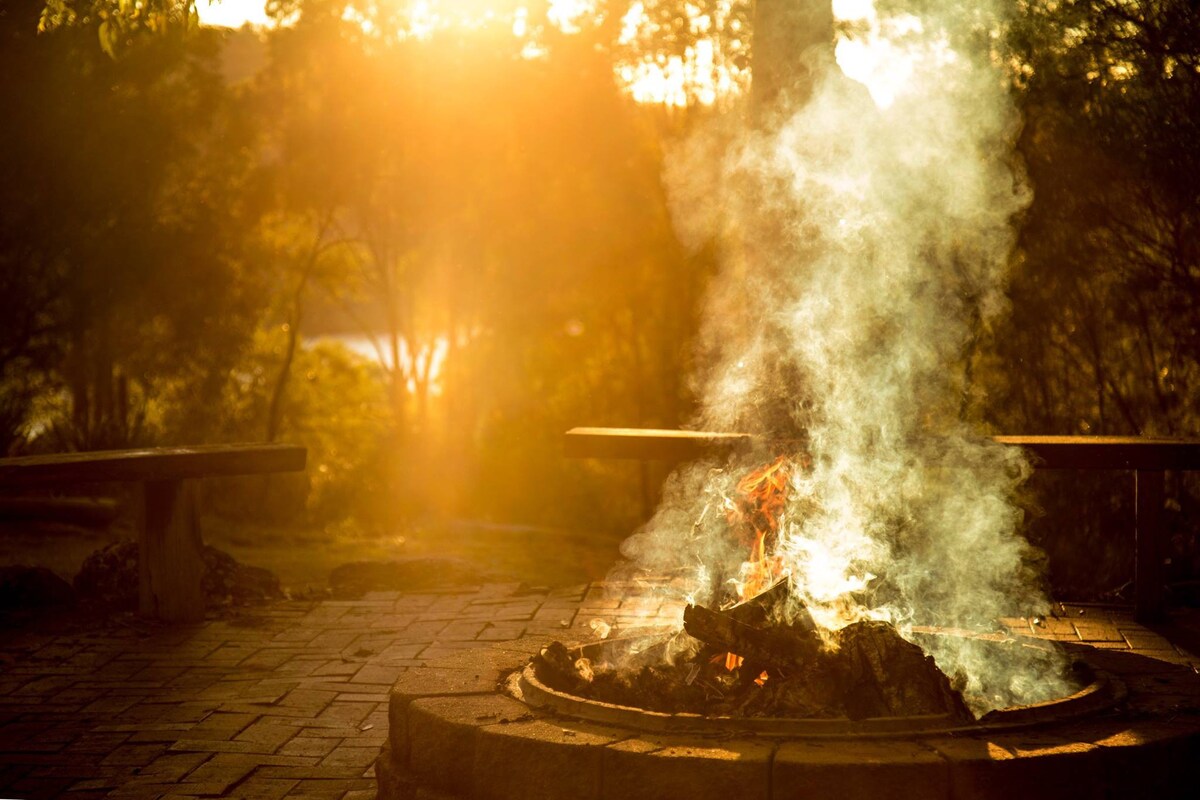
(291, 700)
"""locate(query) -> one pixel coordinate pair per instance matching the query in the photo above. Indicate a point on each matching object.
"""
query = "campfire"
(755, 650)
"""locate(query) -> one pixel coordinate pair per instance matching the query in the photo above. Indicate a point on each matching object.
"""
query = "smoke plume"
(865, 233)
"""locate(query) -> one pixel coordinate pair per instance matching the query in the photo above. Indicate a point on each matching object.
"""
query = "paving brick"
(348, 713)
(193, 712)
(109, 705)
(310, 746)
(501, 632)
(267, 734)
(330, 789)
(267, 659)
(378, 696)
(338, 667)
(351, 757)
(401, 650)
(307, 699)
(233, 767)
(227, 746)
(162, 791)
(221, 725)
(330, 773)
(424, 630)
(318, 729)
(372, 673)
(97, 743)
(256, 788)
(335, 639)
(134, 755)
(173, 766)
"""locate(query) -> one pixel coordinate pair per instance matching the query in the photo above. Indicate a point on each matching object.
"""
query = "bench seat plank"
(1049, 452)
(152, 464)
(1109, 452)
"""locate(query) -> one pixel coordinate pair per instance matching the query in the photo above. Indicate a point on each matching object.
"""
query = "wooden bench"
(170, 546)
(1146, 457)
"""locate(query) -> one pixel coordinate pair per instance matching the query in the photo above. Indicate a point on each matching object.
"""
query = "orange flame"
(754, 515)
(761, 497)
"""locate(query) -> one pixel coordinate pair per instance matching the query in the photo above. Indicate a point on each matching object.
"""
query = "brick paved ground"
(291, 700)
(287, 701)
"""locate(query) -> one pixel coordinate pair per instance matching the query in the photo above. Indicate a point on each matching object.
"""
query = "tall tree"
(123, 198)
(1109, 260)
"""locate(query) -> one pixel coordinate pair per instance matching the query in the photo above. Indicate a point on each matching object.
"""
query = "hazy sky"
(231, 13)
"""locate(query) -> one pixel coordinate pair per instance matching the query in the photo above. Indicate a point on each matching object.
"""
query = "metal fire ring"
(1100, 690)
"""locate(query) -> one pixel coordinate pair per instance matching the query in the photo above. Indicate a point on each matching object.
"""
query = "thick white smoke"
(866, 234)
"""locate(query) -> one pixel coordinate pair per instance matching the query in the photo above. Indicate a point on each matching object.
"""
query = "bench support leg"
(171, 552)
(1150, 547)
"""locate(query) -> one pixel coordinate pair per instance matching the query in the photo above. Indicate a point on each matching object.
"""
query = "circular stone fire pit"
(481, 724)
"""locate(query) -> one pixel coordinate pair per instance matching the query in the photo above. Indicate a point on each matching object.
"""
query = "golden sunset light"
(578, 399)
(232, 13)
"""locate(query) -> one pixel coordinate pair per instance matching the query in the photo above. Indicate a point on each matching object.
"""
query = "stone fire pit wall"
(456, 733)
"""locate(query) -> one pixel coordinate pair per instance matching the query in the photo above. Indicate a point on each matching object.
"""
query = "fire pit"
(766, 688)
(482, 724)
(1099, 690)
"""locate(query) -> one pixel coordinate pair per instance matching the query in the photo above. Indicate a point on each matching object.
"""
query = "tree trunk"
(275, 409)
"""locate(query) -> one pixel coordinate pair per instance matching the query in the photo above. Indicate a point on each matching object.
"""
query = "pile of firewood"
(748, 662)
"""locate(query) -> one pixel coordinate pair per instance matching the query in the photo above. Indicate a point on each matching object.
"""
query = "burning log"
(772, 605)
(779, 648)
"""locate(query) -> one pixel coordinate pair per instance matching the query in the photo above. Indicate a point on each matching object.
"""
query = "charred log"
(772, 606)
(558, 667)
(778, 647)
(886, 675)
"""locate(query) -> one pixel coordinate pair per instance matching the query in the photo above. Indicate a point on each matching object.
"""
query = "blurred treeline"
(1104, 331)
(185, 209)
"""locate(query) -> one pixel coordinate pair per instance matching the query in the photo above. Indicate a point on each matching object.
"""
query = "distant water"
(370, 348)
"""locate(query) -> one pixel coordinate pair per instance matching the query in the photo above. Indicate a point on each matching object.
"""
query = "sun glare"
(879, 52)
(702, 74)
(232, 13)
(882, 53)
(566, 14)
